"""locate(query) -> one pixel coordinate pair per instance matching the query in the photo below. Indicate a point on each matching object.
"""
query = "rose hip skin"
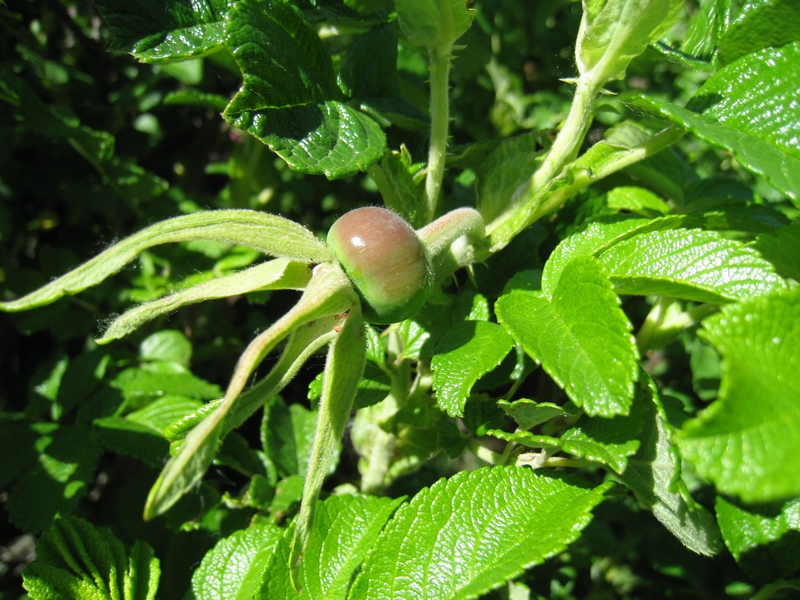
(383, 257)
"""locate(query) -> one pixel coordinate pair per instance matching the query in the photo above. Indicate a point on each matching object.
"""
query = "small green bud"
(384, 258)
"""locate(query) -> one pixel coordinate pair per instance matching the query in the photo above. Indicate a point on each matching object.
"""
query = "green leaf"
(347, 527)
(598, 236)
(466, 353)
(289, 98)
(401, 185)
(746, 442)
(782, 249)
(471, 533)
(161, 413)
(283, 61)
(434, 25)
(232, 568)
(606, 442)
(759, 25)
(692, 264)
(653, 474)
(59, 477)
(637, 200)
(140, 385)
(195, 97)
(500, 174)
(155, 31)
(758, 124)
(767, 111)
(287, 434)
(529, 413)
(708, 26)
(132, 438)
(266, 233)
(74, 559)
(280, 273)
(763, 538)
(577, 331)
(614, 32)
(166, 346)
(287, 497)
(368, 68)
(330, 138)
(375, 386)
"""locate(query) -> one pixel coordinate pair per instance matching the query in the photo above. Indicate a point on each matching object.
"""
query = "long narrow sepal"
(343, 371)
(270, 234)
(328, 293)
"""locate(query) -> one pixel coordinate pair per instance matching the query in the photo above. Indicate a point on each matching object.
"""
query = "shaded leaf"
(155, 31)
(759, 25)
(763, 538)
(467, 352)
(60, 476)
(746, 441)
(289, 98)
(653, 474)
(74, 559)
(782, 249)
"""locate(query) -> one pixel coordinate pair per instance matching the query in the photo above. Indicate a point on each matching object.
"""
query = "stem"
(373, 480)
(531, 204)
(525, 204)
(666, 319)
(462, 225)
(545, 458)
(440, 118)
(485, 454)
(569, 139)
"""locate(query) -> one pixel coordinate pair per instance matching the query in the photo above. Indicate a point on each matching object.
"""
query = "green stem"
(545, 458)
(569, 139)
(439, 240)
(532, 204)
(485, 454)
(373, 481)
(440, 119)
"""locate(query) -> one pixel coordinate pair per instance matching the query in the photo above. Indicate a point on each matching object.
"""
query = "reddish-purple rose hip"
(383, 257)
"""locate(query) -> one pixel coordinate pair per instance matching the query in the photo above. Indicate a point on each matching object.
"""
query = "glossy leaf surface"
(577, 331)
(468, 534)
